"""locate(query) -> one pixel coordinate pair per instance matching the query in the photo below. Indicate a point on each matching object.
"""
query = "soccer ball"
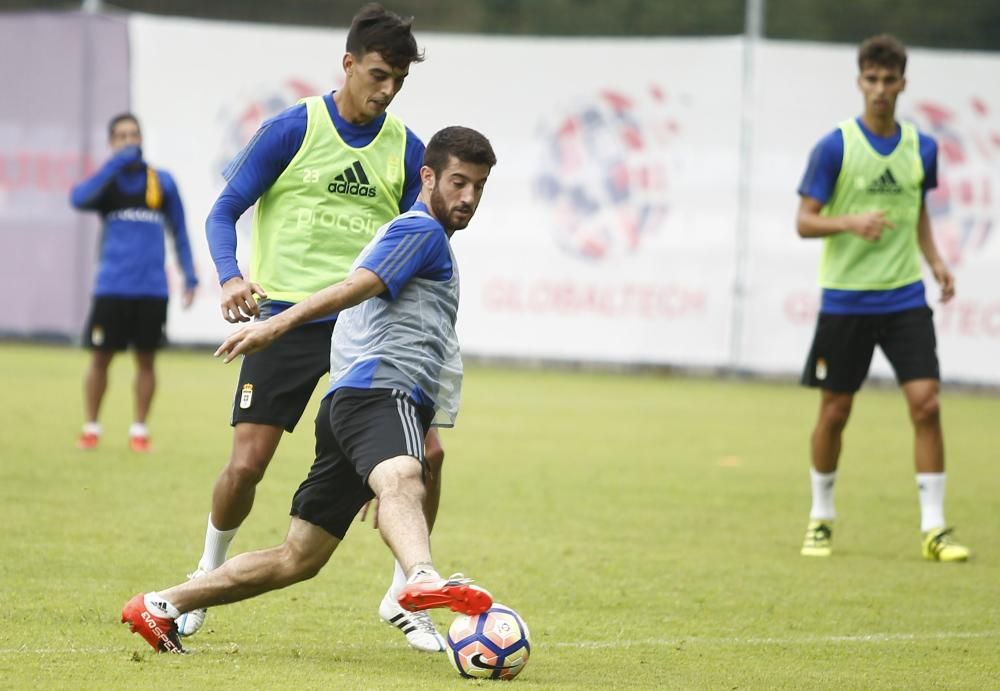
(492, 645)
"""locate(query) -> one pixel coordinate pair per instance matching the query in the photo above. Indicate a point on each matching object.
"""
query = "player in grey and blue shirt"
(396, 371)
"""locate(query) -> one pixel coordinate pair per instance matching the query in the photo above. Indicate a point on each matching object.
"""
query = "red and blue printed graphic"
(606, 172)
(965, 206)
(242, 119)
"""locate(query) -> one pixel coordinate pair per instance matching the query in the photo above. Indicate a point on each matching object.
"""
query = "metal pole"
(753, 31)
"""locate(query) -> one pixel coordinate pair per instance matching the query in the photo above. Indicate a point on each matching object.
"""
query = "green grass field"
(646, 527)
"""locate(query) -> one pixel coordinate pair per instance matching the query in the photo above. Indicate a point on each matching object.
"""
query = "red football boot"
(88, 441)
(456, 593)
(159, 632)
(139, 444)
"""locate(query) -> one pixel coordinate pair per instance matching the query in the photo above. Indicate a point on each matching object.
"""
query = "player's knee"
(405, 480)
(926, 411)
(836, 414)
(246, 469)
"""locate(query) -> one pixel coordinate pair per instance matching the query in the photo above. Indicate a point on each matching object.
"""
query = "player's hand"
(238, 302)
(945, 279)
(188, 298)
(372, 505)
(869, 226)
(248, 339)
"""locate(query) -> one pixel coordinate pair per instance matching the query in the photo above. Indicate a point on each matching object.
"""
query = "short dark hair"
(121, 117)
(467, 145)
(375, 29)
(882, 51)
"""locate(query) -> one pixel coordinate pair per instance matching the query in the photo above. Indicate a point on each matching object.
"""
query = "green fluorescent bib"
(324, 208)
(869, 181)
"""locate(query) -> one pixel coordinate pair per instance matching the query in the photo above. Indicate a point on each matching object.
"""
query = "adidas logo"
(885, 184)
(352, 181)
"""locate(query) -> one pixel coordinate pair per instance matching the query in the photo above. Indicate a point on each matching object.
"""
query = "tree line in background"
(956, 24)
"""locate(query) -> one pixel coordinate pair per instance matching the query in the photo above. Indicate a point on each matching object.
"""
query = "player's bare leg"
(306, 549)
(232, 499)
(825, 446)
(95, 384)
(145, 388)
(398, 484)
(938, 543)
(236, 487)
(418, 627)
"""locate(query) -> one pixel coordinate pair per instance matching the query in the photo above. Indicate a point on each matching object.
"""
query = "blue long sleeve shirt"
(132, 251)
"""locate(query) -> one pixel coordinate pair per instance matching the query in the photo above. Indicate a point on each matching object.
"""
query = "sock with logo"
(423, 572)
(138, 429)
(930, 487)
(92, 428)
(822, 495)
(160, 607)
(216, 545)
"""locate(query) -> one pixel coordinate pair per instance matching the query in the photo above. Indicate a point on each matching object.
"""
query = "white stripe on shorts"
(411, 426)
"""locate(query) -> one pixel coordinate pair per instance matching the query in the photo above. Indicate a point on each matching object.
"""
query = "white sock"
(822, 495)
(426, 572)
(398, 580)
(138, 429)
(92, 428)
(930, 486)
(216, 545)
(159, 606)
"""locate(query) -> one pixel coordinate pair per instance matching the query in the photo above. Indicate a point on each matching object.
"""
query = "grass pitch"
(647, 528)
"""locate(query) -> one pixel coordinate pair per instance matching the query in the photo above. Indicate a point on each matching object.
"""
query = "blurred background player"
(325, 175)
(397, 370)
(863, 193)
(137, 204)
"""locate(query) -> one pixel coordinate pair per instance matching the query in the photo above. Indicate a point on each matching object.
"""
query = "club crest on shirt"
(246, 398)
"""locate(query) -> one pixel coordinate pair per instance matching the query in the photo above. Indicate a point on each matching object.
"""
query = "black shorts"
(356, 429)
(276, 383)
(115, 323)
(844, 343)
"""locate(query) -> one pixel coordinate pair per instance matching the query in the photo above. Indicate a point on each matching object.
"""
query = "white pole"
(753, 31)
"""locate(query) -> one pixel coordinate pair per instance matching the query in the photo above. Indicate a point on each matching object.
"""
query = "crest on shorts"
(247, 396)
(97, 336)
(821, 368)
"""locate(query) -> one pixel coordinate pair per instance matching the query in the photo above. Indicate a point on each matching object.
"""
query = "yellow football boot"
(819, 539)
(940, 545)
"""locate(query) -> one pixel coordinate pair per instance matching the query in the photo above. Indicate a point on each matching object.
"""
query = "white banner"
(608, 229)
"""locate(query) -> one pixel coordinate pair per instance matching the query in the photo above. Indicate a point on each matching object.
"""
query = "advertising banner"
(64, 76)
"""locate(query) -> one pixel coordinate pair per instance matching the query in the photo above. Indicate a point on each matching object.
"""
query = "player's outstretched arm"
(361, 285)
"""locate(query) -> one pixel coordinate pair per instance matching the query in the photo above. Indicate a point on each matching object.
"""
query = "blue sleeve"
(414, 160)
(174, 209)
(87, 194)
(929, 156)
(220, 230)
(410, 248)
(824, 167)
(265, 157)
